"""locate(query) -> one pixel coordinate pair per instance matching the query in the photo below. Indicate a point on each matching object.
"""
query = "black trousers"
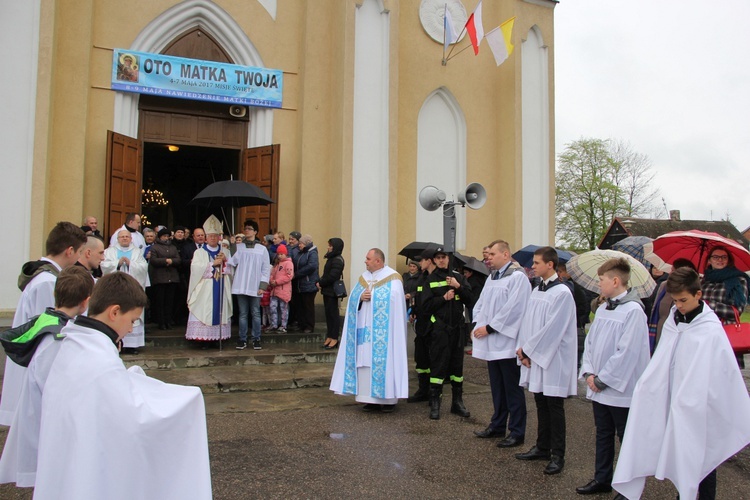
(293, 305)
(446, 355)
(508, 397)
(707, 487)
(333, 320)
(550, 413)
(164, 302)
(306, 310)
(609, 421)
(422, 353)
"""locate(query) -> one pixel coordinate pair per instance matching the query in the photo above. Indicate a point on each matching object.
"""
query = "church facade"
(369, 115)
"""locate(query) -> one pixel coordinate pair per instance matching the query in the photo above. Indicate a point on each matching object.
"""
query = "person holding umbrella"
(725, 288)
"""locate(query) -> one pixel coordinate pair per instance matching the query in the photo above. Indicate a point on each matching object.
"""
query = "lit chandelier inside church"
(153, 198)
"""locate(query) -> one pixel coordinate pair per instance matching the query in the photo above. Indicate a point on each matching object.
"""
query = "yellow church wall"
(313, 43)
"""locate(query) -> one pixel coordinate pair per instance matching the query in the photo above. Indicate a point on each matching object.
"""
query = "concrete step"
(224, 379)
(175, 337)
(190, 357)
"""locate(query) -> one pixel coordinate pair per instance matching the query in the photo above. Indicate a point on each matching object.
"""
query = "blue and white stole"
(217, 284)
(377, 332)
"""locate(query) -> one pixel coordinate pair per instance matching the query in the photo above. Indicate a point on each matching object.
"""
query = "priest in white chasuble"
(372, 362)
(125, 257)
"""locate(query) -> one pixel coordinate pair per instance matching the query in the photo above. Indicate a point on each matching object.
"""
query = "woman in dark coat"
(332, 272)
(306, 275)
(163, 270)
(725, 288)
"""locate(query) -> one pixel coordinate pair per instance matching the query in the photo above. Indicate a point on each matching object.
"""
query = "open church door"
(123, 180)
(260, 166)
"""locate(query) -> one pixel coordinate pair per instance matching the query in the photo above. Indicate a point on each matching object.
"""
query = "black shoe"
(241, 344)
(620, 496)
(533, 454)
(256, 345)
(510, 442)
(593, 488)
(370, 407)
(555, 465)
(331, 347)
(489, 432)
(387, 408)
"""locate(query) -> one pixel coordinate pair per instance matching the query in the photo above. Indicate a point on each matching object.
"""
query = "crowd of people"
(200, 278)
(658, 373)
(527, 329)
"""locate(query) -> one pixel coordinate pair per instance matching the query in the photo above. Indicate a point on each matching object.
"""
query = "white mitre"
(213, 225)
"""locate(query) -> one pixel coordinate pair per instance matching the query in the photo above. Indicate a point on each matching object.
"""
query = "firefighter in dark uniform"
(445, 295)
(422, 327)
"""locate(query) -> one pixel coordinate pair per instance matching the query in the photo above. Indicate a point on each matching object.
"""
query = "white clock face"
(431, 13)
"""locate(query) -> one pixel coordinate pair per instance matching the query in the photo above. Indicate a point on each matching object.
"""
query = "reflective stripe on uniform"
(434, 380)
(433, 319)
(456, 379)
(438, 284)
(423, 370)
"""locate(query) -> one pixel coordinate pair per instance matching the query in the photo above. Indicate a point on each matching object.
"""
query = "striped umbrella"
(583, 269)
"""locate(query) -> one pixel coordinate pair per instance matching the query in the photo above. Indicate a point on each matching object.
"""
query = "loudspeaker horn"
(474, 196)
(237, 111)
(431, 198)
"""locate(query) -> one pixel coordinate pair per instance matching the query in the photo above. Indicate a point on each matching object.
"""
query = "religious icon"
(127, 67)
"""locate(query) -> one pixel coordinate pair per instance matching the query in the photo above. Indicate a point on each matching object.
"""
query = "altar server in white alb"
(126, 258)
(371, 363)
(616, 353)
(690, 410)
(37, 284)
(37, 353)
(548, 353)
(210, 288)
(498, 314)
(108, 432)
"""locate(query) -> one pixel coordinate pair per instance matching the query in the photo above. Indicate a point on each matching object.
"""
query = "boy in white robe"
(616, 353)
(690, 409)
(41, 344)
(371, 363)
(37, 283)
(548, 353)
(108, 432)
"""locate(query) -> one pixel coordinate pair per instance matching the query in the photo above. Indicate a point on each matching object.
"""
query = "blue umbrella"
(525, 256)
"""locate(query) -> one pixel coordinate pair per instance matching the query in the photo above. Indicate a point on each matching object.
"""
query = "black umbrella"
(415, 249)
(232, 193)
(472, 263)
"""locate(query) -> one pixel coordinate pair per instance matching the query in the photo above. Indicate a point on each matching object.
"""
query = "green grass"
(745, 318)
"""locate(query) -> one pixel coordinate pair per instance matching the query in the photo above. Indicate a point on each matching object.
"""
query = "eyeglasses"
(720, 257)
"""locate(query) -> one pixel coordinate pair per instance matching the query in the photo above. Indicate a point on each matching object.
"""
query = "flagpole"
(445, 34)
(454, 45)
(457, 53)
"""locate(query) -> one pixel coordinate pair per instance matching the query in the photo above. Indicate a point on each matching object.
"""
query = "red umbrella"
(695, 246)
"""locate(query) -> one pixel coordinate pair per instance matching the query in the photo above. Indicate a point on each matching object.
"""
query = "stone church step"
(154, 358)
(175, 337)
(224, 379)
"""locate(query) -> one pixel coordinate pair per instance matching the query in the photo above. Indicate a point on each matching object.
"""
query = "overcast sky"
(672, 77)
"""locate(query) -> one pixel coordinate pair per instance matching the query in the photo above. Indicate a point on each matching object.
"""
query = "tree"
(597, 180)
